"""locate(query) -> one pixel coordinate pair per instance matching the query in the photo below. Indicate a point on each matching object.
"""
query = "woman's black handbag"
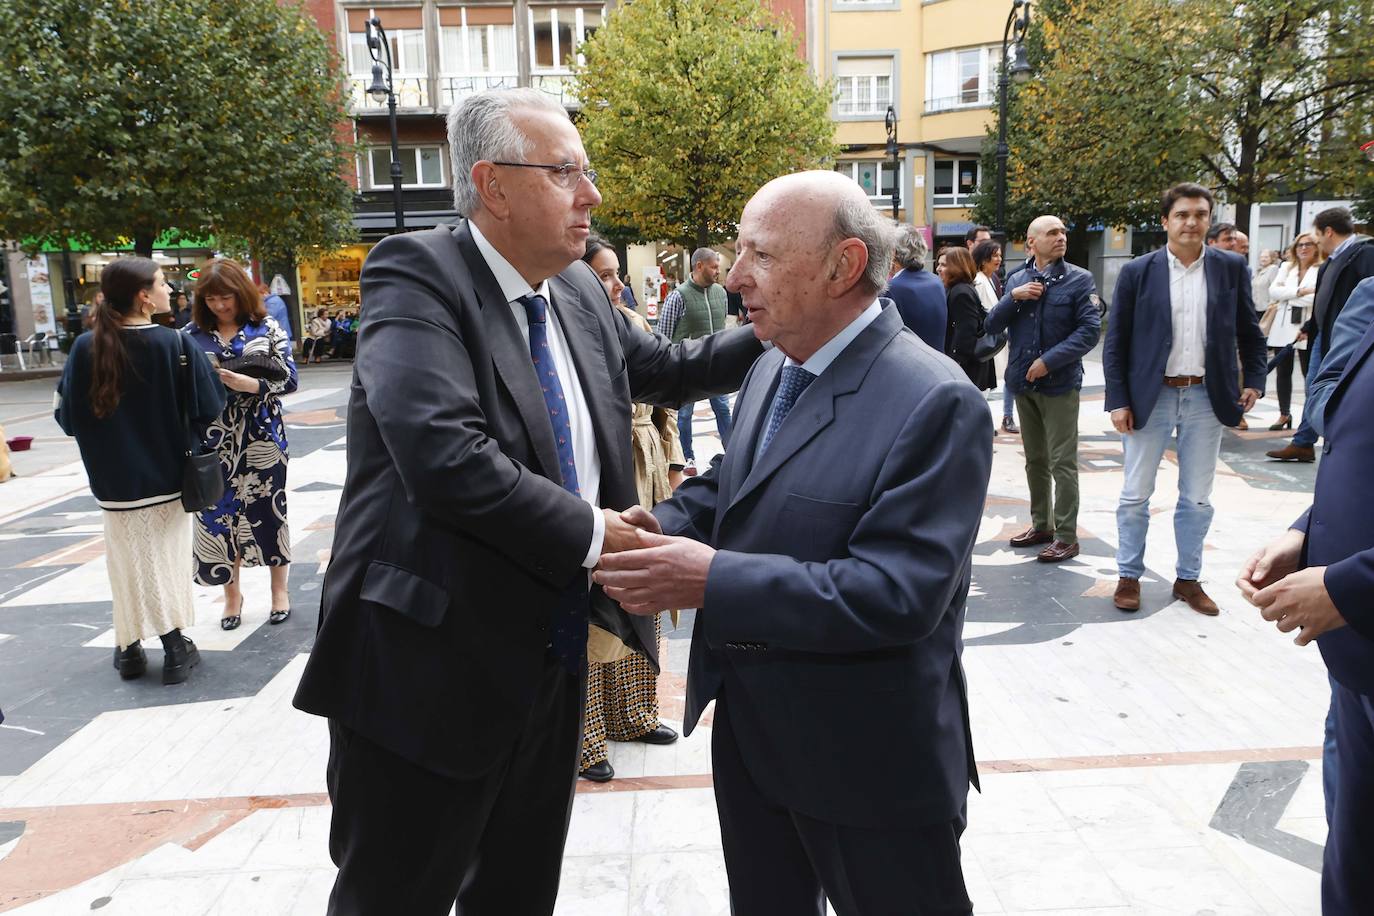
(202, 480)
(258, 361)
(989, 345)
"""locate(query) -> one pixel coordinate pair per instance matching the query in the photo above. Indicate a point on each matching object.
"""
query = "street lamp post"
(1018, 20)
(385, 89)
(891, 122)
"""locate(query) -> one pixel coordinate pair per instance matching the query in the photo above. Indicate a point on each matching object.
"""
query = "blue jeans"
(721, 406)
(1188, 411)
(1008, 399)
(1306, 435)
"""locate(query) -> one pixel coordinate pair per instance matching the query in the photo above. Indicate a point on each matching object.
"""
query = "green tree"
(688, 107)
(1253, 100)
(125, 119)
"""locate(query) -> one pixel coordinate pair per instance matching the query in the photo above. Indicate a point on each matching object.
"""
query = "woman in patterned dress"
(248, 526)
(622, 690)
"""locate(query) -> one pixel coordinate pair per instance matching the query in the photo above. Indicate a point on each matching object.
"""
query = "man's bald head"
(1041, 224)
(1047, 239)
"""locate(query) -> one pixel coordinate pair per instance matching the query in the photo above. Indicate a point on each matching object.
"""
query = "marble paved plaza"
(1158, 763)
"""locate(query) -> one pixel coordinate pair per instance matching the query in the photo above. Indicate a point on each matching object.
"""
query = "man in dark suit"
(1349, 260)
(829, 556)
(918, 294)
(1179, 318)
(1318, 579)
(489, 421)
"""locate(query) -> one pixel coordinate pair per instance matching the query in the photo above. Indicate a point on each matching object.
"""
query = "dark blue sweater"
(134, 456)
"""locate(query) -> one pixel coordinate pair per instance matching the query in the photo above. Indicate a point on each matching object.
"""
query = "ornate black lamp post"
(1018, 20)
(383, 88)
(891, 122)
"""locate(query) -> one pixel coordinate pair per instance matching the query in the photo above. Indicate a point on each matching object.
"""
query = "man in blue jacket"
(918, 294)
(1179, 317)
(1318, 579)
(1050, 308)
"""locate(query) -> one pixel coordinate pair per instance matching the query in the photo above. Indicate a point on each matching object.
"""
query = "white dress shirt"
(825, 355)
(1188, 305)
(588, 462)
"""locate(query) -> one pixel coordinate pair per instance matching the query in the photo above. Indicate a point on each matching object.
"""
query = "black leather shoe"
(232, 622)
(132, 662)
(277, 617)
(599, 772)
(181, 655)
(661, 734)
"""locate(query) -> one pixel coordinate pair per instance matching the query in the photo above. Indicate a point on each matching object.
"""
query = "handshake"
(646, 571)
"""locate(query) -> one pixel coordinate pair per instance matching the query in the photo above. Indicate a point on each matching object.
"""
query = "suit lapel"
(1157, 293)
(510, 353)
(582, 332)
(1215, 269)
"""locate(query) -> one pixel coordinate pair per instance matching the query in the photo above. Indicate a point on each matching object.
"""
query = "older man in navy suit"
(829, 555)
(918, 294)
(1318, 579)
(1179, 317)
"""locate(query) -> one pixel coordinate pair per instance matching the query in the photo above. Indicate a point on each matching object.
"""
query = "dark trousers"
(1284, 377)
(780, 861)
(1049, 434)
(1347, 877)
(408, 840)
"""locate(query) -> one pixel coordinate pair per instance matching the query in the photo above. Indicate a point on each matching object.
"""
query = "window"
(863, 86)
(876, 177)
(421, 167)
(407, 53)
(557, 31)
(960, 79)
(955, 182)
(476, 51)
(410, 66)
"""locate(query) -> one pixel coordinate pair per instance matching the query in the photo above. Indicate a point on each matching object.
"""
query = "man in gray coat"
(829, 556)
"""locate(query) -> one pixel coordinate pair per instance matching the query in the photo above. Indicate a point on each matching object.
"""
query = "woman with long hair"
(987, 258)
(122, 395)
(1291, 296)
(965, 318)
(253, 354)
(622, 690)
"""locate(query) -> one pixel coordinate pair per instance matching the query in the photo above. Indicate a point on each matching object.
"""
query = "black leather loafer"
(132, 662)
(599, 772)
(661, 734)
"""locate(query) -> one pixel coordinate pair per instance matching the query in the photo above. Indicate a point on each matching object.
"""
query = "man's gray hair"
(481, 127)
(857, 219)
(704, 255)
(911, 247)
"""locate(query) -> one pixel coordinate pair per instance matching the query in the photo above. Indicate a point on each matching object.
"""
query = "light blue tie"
(795, 380)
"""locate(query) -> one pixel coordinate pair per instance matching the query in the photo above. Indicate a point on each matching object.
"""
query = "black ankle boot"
(181, 656)
(132, 662)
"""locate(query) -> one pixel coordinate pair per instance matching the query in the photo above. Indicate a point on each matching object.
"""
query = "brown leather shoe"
(1190, 591)
(1290, 452)
(1127, 597)
(1058, 552)
(1032, 536)
(1242, 425)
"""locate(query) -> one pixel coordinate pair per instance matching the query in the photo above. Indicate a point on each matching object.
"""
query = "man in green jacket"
(697, 308)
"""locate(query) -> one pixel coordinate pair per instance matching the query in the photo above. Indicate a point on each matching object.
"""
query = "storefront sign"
(40, 294)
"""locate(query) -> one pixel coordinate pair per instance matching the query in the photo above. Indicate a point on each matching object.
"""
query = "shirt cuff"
(598, 537)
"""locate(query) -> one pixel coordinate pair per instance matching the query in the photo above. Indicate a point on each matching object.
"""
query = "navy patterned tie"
(569, 625)
(795, 380)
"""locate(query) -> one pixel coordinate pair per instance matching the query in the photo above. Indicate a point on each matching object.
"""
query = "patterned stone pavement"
(1154, 763)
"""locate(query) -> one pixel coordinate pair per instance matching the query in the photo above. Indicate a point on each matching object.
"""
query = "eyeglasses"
(567, 174)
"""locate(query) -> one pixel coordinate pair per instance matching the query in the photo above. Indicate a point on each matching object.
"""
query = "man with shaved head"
(1051, 310)
(828, 553)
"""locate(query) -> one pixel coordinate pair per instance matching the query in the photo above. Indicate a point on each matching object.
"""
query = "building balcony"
(962, 101)
(559, 84)
(411, 92)
(455, 87)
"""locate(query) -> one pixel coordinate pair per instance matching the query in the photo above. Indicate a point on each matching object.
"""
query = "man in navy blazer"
(918, 294)
(1318, 579)
(829, 556)
(1179, 317)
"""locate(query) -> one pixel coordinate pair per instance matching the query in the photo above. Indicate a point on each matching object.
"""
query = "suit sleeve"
(1350, 583)
(1251, 341)
(415, 375)
(691, 512)
(1087, 328)
(1116, 348)
(669, 374)
(909, 553)
(1002, 313)
(1346, 334)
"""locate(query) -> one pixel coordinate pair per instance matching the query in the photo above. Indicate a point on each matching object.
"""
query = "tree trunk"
(143, 243)
(702, 234)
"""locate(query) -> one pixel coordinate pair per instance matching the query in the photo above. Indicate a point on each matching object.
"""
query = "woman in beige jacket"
(622, 690)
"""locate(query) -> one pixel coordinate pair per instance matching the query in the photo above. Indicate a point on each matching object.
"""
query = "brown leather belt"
(1182, 381)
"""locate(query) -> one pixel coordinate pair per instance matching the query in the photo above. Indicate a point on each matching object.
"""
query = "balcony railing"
(453, 88)
(411, 92)
(976, 99)
(559, 84)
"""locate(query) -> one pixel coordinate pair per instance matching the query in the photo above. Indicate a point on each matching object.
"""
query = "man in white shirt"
(1180, 317)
